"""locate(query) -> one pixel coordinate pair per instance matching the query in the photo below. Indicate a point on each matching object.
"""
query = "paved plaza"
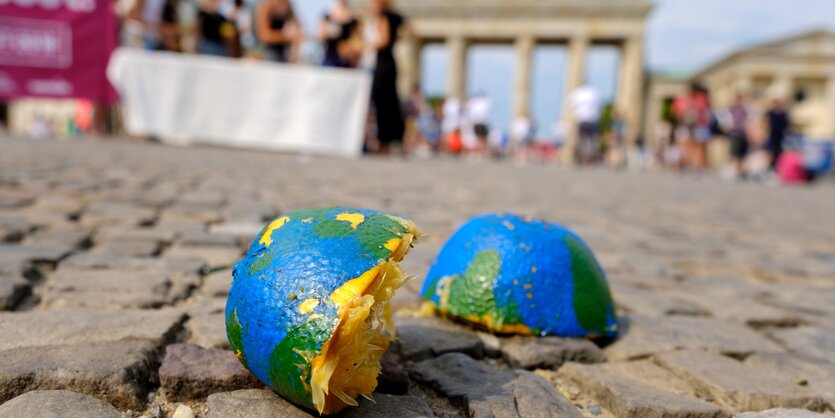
(115, 262)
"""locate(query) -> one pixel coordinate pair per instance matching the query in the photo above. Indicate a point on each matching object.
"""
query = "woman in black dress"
(384, 97)
(278, 30)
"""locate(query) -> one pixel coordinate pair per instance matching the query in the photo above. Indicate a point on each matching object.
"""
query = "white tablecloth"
(207, 100)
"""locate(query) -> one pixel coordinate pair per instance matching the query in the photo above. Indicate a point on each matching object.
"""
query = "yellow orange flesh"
(349, 362)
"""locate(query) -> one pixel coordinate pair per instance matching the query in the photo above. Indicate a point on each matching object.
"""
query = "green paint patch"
(592, 299)
(263, 261)
(234, 332)
(376, 231)
(290, 368)
(472, 296)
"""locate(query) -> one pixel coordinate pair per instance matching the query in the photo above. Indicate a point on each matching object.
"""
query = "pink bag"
(790, 168)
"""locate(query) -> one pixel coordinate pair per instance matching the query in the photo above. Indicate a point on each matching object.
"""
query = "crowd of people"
(224, 28)
(757, 137)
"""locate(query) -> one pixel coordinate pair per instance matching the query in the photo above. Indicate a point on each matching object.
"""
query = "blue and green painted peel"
(517, 276)
(307, 302)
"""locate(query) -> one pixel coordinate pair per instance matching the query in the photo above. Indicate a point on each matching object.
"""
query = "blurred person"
(523, 131)
(616, 152)
(477, 119)
(779, 126)
(338, 31)
(451, 125)
(414, 106)
(169, 27)
(384, 96)
(692, 111)
(585, 104)
(214, 30)
(737, 128)
(147, 15)
(430, 125)
(279, 30)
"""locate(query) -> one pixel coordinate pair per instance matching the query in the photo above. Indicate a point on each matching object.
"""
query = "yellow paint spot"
(529, 295)
(354, 287)
(528, 286)
(314, 317)
(355, 219)
(239, 355)
(266, 237)
(509, 225)
(515, 282)
(533, 269)
(515, 329)
(392, 244)
(308, 306)
(307, 220)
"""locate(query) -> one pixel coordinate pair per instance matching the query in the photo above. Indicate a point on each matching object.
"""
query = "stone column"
(577, 48)
(629, 101)
(456, 85)
(408, 65)
(524, 67)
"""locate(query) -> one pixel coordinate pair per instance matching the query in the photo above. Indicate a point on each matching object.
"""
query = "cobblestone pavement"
(116, 258)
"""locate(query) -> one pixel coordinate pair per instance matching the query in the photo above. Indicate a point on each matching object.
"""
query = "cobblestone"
(192, 372)
(112, 253)
(118, 372)
(57, 403)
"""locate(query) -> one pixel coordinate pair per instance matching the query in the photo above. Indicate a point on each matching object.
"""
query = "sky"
(682, 37)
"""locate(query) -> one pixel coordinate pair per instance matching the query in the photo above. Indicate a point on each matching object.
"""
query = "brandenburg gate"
(578, 24)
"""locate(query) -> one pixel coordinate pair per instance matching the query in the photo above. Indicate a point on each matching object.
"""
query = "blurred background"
(745, 89)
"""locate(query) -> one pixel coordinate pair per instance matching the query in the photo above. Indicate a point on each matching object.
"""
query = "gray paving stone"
(127, 248)
(736, 385)
(99, 214)
(12, 290)
(492, 391)
(215, 257)
(191, 372)
(165, 263)
(15, 199)
(548, 352)
(13, 227)
(122, 233)
(115, 288)
(816, 374)
(71, 326)
(390, 406)
(207, 239)
(117, 372)
(629, 398)
(393, 378)
(649, 302)
(217, 283)
(252, 403)
(422, 338)
(810, 341)
(57, 404)
(206, 326)
(245, 232)
(642, 336)
(50, 253)
(782, 413)
(70, 236)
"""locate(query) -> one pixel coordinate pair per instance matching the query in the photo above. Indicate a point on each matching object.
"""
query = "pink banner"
(57, 48)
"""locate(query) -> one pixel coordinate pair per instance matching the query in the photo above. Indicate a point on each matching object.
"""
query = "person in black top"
(277, 27)
(384, 97)
(215, 31)
(339, 31)
(169, 27)
(779, 125)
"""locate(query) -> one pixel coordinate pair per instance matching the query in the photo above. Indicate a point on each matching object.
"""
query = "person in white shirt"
(585, 106)
(478, 116)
